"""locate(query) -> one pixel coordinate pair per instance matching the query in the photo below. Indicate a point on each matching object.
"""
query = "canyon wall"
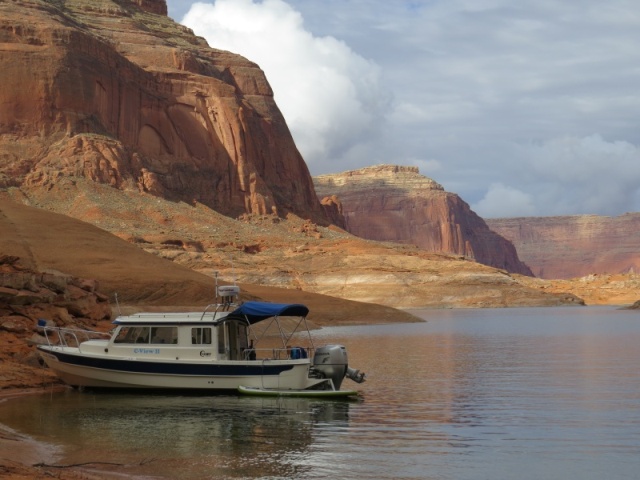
(574, 246)
(396, 204)
(117, 93)
(114, 114)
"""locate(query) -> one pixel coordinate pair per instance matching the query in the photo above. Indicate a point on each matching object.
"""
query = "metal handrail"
(290, 353)
(279, 353)
(67, 335)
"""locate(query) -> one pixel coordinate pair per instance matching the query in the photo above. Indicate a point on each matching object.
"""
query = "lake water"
(546, 393)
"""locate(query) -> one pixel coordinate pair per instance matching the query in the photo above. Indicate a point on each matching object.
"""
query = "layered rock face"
(27, 295)
(575, 246)
(397, 204)
(118, 93)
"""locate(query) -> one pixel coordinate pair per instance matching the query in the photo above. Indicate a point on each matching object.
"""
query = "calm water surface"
(471, 394)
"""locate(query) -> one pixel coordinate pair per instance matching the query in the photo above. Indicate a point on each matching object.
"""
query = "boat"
(227, 347)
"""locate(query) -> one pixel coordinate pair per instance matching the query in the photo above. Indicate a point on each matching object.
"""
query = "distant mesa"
(575, 246)
(392, 203)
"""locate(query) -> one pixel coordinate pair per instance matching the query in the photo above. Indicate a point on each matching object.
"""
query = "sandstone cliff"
(575, 246)
(397, 204)
(114, 112)
(116, 92)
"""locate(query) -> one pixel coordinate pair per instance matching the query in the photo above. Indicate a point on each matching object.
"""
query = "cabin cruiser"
(226, 347)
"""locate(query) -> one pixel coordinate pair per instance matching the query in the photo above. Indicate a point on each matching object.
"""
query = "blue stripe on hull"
(173, 368)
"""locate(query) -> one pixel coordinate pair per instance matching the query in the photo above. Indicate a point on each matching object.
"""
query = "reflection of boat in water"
(214, 350)
(180, 436)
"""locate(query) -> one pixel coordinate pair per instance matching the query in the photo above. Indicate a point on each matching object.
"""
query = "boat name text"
(147, 350)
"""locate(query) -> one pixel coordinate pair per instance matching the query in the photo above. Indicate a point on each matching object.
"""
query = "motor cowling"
(332, 362)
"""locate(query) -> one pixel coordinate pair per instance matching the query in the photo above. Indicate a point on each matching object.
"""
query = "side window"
(164, 335)
(133, 335)
(125, 335)
(143, 335)
(201, 336)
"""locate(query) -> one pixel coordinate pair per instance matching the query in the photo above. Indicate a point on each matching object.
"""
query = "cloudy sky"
(522, 107)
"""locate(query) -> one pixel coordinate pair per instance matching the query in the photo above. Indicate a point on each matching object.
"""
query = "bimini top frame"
(254, 312)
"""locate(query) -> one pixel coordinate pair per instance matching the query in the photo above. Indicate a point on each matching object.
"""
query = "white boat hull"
(79, 370)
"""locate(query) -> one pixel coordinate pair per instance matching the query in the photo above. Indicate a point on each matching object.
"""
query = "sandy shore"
(21, 453)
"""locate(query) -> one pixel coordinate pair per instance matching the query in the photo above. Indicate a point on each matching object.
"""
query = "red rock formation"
(574, 246)
(116, 92)
(397, 204)
(333, 209)
(158, 7)
(27, 295)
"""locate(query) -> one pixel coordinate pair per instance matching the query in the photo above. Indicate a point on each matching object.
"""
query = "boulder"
(57, 297)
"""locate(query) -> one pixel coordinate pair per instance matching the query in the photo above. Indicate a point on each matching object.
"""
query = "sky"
(521, 107)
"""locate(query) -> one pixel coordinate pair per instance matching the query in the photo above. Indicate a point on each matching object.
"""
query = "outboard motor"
(331, 361)
(355, 375)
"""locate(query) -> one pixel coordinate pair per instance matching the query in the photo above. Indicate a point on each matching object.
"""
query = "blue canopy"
(255, 312)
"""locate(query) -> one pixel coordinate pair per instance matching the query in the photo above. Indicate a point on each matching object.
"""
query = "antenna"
(233, 273)
(118, 304)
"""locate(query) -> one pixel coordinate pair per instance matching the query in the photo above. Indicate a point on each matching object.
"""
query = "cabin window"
(166, 335)
(133, 335)
(201, 336)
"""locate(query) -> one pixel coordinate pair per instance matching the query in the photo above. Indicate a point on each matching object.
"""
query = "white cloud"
(587, 175)
(504, 201)
(330, 96)
(567, 175)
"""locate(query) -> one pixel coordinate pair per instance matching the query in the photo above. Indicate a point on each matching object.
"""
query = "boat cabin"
(185, 335)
